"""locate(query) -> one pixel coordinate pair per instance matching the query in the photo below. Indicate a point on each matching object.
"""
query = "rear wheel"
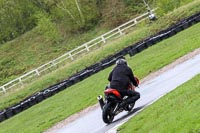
(107, 113)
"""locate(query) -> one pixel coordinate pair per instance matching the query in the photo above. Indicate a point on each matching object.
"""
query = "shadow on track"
(135, 110)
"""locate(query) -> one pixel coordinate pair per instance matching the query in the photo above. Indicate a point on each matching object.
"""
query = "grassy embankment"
(177, 112)
(45, 114)
(35, 32)
(141, 31)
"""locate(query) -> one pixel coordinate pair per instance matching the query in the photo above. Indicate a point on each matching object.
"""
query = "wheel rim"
(107, 113)
(110, 116)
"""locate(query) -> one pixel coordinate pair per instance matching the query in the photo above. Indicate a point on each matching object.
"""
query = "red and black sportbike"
(111, 104)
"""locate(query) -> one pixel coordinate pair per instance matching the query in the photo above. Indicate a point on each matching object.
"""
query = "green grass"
(177, 112)
(141, 31)
(54, 109)
(30, 50)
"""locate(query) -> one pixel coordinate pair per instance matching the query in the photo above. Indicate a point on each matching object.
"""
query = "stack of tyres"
(133, 52)
(92, 67)
(171, 33)
(98, 68)
(32, 101)
(47, 93)
(17, 109)
(164, 35)
(138, 48)
(85, 74)
(75, 79)
(186, 25)
(141, 47)
(179, 28)
(106, 65)
(2, 115)
(54, 89)
(9, 113)
(39, 97)
(25, 104)
(61, 86)
(68, 83)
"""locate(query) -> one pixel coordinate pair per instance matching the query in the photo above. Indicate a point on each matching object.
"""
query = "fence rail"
(119, 31)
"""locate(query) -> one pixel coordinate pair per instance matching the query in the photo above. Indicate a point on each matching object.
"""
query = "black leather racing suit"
(120, 79)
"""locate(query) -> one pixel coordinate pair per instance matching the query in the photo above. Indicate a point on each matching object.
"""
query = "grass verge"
(54, 109)
(177, 112)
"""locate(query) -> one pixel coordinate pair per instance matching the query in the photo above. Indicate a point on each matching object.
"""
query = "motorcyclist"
(120, 78)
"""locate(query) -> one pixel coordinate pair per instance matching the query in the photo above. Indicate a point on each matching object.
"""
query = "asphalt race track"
(150, 91)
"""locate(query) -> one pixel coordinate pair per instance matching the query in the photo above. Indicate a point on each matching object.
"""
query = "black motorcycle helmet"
(121, 61)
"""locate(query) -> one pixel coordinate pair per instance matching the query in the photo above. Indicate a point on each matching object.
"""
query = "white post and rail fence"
(119, 31)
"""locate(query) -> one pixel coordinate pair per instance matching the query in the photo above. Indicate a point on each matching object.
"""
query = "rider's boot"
(123, 104)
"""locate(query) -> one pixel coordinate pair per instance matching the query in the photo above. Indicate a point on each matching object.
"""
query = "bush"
(45, 27)
(16, 18)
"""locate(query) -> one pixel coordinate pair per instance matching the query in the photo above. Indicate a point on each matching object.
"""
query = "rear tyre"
(107, 113)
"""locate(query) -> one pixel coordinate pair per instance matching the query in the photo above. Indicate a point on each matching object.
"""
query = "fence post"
(120, 32)
(36, 70)
(135, 21)
(87, 47)
(70, 55)
(20, 80)
(4, 89)
(103, 39)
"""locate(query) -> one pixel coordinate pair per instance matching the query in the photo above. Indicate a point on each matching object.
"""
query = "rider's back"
(119, 77)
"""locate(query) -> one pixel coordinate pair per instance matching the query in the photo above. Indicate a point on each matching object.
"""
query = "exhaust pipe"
(101, 102)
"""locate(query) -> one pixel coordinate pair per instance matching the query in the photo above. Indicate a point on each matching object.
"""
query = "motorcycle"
(111, 105)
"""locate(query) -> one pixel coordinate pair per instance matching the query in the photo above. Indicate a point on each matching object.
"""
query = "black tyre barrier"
(25, 105)
(17, 109)
(197, 19)
(172, 33)
(32, 101)
(68, 83)
(131, 50)
(164, 34)
(155, 40)
(2, 115)
(124, 52)
(92, 66)
(118, 54)
(106, 60)
(85, 74)
(108, 64)
(75, 79)
(98, 68)
(141, 47)
(186, 25)
(47, 93)
(39, 97)
(179, 28)
(55, 90)
(9, 113)
(61, 86)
